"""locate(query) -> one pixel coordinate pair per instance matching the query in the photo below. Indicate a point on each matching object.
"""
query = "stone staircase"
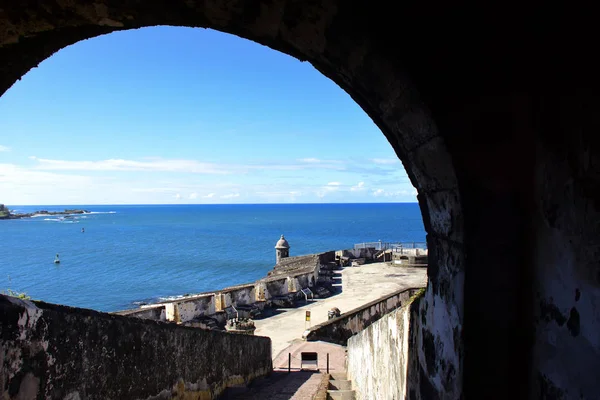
(340, 388)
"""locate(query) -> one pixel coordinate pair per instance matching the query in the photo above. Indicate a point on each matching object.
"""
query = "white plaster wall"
(170, 309)
(378, 358)
(383, 365)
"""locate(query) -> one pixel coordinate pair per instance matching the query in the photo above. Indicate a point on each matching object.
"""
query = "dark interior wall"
(566, 249)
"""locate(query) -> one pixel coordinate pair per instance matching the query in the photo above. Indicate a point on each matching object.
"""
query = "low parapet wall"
(338, 330)
(307, 262)
(57, 352)
(303, 273)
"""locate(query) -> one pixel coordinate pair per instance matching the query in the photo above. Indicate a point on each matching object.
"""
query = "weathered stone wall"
(378, 358)
(56, 352)
(434, 351)
(245, 294)
(298, 264)
(340, 329)
(155, 312)
(189, 308)
(366, 253)
(567, 252)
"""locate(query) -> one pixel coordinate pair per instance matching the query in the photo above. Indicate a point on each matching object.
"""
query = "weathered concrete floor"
(360, 285)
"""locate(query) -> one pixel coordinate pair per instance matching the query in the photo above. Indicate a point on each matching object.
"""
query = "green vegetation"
(14, 293)
(3, 211)
(417, 295)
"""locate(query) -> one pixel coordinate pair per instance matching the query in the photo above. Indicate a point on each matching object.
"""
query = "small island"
(5, 213)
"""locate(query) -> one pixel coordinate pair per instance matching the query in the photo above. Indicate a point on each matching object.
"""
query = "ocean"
(135, 254)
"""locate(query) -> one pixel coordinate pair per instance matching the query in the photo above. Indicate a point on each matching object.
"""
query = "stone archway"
(345, 55)
(491, 172)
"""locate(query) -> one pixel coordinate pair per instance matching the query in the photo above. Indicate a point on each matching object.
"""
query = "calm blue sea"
(143, 253)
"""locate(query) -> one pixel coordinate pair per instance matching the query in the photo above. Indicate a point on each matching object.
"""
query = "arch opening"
(375, 81)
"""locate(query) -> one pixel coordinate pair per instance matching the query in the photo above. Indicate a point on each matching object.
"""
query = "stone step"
(338, 376)
(340, 395)
(339, 384)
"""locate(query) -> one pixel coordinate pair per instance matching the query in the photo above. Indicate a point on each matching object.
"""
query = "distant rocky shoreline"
(5, 213)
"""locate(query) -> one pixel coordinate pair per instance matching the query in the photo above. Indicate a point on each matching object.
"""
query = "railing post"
(327, 362)
(289, 362)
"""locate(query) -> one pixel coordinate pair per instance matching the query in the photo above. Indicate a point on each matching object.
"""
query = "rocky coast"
(5, 213)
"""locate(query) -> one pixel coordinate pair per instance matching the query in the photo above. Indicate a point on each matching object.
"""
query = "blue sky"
(178, 115)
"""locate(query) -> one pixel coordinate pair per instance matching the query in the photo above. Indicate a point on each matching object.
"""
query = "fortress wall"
(207, 304)
(189, 310)
(339, 330)
(378, 357)
(154, 312)
(276, 287)
(245, 295)
(298, 269)
(58, 352)
(389, 359)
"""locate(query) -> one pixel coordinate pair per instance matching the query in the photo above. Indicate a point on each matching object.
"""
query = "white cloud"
(395, 193)
(310, 160)
(359, 187)
(183, 166)
(190, 166)
(329, 188)
(48, 181)
(4, 148)
(385, 161)
(154, 190)
(10, 173)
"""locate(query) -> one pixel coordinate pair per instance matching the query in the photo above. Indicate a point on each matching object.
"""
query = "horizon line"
(204, 204)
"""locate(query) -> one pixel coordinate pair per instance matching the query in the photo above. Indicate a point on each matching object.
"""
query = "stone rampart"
(340, 329)
(291, 277)
(57, 352)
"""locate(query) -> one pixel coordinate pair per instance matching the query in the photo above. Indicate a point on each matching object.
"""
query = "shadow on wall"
(425, 358)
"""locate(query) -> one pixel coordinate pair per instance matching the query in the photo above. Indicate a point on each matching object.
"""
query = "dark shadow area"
(277, 386)
(269, 312)
(418, 385)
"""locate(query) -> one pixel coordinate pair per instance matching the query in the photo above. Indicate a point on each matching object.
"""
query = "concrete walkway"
(360, 285)
(298, 385)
